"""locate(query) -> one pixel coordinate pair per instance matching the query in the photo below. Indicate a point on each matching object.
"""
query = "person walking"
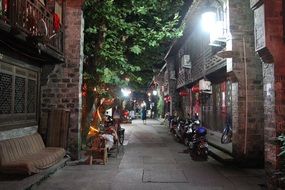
(144, 115)
(117, 118)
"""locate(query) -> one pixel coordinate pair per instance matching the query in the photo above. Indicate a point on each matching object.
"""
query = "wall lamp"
(209, 18)
(212, 20)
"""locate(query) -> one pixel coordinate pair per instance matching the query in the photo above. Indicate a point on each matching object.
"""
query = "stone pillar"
(247, 93)
(63, 87)
(269, 38)
(170, 61)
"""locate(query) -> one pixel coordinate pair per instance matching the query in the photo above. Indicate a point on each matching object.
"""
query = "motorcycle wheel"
(226, 137)
(204, 153)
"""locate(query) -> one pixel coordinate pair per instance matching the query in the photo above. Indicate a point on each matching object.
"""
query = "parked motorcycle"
(173, 123)
(198, 145)
(180, 130)
(190, 129)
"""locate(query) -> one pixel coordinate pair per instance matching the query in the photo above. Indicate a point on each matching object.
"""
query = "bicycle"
(227, 133)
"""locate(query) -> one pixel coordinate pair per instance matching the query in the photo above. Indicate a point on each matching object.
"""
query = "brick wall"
(274, 82)
(63, 87)
(247, 68)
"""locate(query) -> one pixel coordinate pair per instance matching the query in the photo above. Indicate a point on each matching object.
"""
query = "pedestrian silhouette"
(144, 115)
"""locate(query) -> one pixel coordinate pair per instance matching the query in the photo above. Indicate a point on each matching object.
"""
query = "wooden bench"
(27, 155)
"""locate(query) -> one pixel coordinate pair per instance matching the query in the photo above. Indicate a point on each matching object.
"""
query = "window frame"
(29, 72)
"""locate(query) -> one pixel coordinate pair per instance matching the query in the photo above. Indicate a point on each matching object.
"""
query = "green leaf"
(282, 153)
(136, 49)
(142, 10)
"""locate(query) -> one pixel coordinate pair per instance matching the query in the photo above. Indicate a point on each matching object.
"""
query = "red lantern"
(183, 93)
(167, 98)
(195, 89)
(56, 22)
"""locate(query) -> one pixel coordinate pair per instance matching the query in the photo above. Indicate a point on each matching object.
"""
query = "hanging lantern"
(183, 93)
(195, 89)
(167, 98)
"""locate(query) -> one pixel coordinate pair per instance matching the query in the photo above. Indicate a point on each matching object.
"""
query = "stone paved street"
(151, 159)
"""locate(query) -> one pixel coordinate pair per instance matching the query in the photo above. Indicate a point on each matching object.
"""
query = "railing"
(34, 19)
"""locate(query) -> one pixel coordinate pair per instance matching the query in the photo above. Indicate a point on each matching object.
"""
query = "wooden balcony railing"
(34, 19)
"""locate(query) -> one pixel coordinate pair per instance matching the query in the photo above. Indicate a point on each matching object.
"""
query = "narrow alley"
(151, 159)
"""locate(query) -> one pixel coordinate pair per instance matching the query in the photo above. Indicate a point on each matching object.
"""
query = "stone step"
(220, 155)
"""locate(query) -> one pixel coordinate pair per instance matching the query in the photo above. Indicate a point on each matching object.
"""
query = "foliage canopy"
(126, 39)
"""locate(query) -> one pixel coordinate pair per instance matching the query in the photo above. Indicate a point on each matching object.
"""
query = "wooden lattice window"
(18, 96)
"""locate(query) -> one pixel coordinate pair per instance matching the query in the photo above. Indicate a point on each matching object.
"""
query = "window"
(18, 96)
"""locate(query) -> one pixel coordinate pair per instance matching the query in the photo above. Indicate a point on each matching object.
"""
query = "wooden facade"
(35, 24)
(28, 41)
(229, 64)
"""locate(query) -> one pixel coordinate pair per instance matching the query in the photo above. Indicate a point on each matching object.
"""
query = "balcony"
(32, 20)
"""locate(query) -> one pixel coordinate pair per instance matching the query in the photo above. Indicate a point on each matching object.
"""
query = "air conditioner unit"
(205, 86)
(185, 61)
(218, 42)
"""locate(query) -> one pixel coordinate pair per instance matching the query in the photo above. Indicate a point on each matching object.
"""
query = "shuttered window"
(18, 96)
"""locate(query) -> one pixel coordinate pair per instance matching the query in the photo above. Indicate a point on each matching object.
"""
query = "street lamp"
(209, 19)
(214, 23)
(154, 92)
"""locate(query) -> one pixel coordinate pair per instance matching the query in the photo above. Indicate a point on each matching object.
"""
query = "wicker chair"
(98, 151)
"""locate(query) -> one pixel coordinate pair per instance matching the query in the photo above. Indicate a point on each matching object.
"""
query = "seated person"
(110, 133)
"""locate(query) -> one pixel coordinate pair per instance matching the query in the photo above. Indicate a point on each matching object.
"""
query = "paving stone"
(164, 176)
(153, 161)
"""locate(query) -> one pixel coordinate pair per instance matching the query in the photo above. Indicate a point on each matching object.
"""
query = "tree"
(118, 32)
(125, 39)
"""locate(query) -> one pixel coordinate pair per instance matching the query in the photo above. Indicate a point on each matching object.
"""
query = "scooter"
(173, 123)
(179, 130)
(190, 129)
(199, 145)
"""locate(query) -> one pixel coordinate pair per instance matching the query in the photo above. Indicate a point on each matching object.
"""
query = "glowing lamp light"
(209, 21)
(126, 92)
(154, 92)
(143, 104)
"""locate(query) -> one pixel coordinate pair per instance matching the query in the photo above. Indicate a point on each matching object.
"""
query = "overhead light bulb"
(209, 21)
